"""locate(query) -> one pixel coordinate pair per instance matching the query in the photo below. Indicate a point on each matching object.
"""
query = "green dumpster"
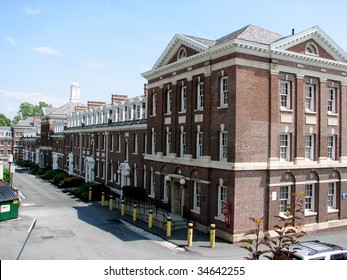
(9, 203)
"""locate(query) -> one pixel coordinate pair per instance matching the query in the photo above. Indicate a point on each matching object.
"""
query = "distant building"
(52, 117)
(5, 142)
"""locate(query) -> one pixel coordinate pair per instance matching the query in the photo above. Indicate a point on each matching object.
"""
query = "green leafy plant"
(288, 231)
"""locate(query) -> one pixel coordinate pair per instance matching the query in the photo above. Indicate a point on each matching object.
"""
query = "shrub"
(34, 168)
(134, 193)
(83, 191)
(60, 176)
(49, 174)
(72, 182)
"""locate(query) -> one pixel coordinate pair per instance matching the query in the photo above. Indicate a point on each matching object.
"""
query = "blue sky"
(106, 44)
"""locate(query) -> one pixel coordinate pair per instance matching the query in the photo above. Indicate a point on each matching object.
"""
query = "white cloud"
(11, 100)
(47, 50)
(10, 40)
(33, 11)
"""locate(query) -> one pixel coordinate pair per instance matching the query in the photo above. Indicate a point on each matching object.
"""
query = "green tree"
(4, 121)
(27, 109)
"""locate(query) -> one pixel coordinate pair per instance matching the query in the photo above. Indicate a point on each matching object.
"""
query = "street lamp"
(10, 161)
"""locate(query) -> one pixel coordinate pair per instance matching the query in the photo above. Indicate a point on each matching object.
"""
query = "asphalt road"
(70, 229)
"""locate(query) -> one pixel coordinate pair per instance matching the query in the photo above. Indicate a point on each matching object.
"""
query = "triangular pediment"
(312, 42)
(181, 47)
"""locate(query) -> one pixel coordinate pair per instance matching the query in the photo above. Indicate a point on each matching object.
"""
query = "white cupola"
(75, 92)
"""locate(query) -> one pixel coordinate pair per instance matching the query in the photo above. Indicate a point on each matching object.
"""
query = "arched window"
(182, 53)
(311, 49)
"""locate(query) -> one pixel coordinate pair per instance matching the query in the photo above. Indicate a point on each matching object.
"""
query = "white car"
(317, 250)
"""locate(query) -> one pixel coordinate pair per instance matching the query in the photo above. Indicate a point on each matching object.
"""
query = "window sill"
(222, 107)
(310, 112)
(332, 210)
(219, 218)
(331, 114)
(195, 211)
(310, 213)
(286, 110)
(151, 195)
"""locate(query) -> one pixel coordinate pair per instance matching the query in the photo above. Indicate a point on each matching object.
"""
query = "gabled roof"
(256, 37)
(251, 33)
(316, 34)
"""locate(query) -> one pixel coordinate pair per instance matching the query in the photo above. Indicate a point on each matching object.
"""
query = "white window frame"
(154, 139)
(223, 146)
(168, 142)
(222, 199)
(332, 100)
(284, 199)
(332, 193)
(331, 154)
(154, 104)
(285, 147)
(169, 101)
(200, 96)
(136, 143)
(183, 99)
(152, 190)
(197, 196)
(183, 143)
(310, 98)
(199, 144)
(285, 95)
(309, 147)
(309, 198)
(224, 91)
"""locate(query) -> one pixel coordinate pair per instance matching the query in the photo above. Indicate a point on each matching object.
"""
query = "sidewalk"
(179, 238)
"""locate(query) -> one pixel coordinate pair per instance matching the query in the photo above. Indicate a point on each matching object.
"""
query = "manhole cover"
(47, 237)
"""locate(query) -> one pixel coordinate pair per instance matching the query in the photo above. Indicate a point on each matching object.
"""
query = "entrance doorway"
(177, 198)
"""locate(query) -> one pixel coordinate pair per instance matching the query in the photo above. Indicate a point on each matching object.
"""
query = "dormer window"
(182, 53)
(311, 49)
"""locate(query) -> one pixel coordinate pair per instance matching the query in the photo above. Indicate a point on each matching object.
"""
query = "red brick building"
(243, 121)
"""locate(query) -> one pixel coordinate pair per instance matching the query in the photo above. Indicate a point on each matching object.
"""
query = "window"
(222, 199)
(332, 100)
(200, 96)
(332, 196)
(224, 91)
(285, 95)
(138, 111)
(119, 142)
(284, 199)
(152, 190)
(183, 99)
(153, 143)
(223, 146)
(169, 101)
(197, 196)
(309, 198)
(154, 104)
(284, 147)
(331, 147)
(183, 143)
(309, 98)
(309, 147)
(199, 151)
(182, 54)
(168, 143)
(136, 143)
(311, 49)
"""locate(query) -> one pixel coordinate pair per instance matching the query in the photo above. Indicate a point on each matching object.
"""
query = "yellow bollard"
(190, 235)
(90, 194)
(168, 226)
(150, 219)
(134, 212)
(213, 235)
(103, 199)
(122, 208)
(110, 205)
